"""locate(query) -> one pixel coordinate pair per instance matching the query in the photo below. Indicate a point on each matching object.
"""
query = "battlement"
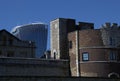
(109, 25)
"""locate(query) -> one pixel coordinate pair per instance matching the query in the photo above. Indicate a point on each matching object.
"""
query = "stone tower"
(59, 42)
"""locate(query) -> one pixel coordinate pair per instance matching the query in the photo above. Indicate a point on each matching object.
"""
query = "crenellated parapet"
(110, 34)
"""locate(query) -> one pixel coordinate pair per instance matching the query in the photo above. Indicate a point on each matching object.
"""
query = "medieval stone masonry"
(78, 53)
(17, 58)
(92, 52)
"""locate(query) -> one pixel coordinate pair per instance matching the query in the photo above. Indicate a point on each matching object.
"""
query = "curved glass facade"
(36, 32)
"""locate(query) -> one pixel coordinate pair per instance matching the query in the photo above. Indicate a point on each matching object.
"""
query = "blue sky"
(18, 12)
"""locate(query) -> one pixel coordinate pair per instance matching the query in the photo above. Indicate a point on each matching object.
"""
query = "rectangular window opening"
(113, 55)
(85, 56)
(70, 44)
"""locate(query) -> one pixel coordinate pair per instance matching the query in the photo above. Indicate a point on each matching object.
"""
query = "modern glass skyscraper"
(36, 32)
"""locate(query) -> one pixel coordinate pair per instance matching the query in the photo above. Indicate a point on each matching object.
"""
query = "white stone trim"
(113, 73)
(98, 47)
(100, 62)
(77, 58)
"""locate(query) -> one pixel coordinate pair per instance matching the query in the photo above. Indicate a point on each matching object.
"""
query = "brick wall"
(90, 38)
(99, 68)
(99, 63)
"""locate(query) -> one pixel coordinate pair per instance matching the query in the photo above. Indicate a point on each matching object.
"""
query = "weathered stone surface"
(33, 67)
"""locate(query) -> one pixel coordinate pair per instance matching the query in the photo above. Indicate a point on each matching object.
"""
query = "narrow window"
(54, 55)
(70, 44)
(4, 40)
(85, 56)
(0, 53)
(113, 55)
(111, 41)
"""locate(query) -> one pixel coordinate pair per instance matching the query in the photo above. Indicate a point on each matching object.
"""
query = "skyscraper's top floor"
(31, 26)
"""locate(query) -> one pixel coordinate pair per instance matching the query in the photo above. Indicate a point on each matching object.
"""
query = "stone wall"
(99, 63)
(10, 46)
(55, 79)
(63, 39)
(54, 35)
(58, 38)
(72, 39)
(99, 68)
(33, 67)
(59, 32)
(90, 38)
(110, 35)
